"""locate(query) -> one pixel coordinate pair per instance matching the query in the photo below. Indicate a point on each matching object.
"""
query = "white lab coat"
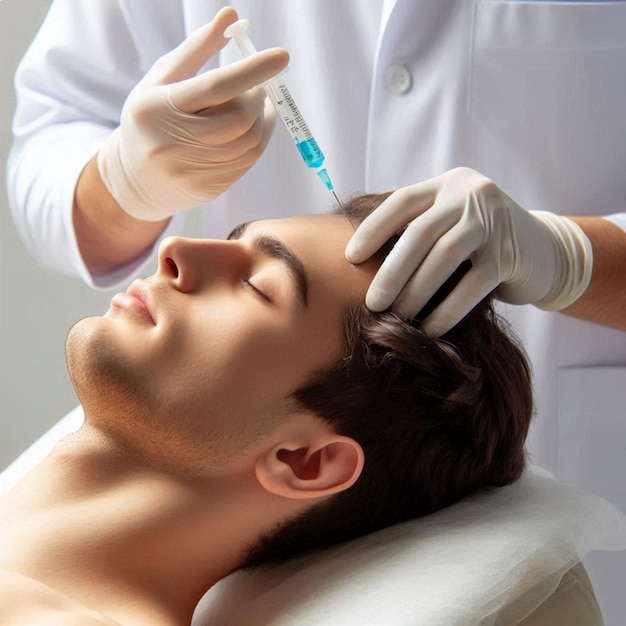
(532, 94)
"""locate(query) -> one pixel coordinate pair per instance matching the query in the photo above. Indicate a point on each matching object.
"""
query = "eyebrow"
(274, 248)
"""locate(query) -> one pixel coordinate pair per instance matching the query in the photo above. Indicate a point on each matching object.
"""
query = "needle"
(343, 210)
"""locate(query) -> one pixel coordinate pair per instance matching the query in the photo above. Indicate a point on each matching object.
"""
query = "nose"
(189, 264)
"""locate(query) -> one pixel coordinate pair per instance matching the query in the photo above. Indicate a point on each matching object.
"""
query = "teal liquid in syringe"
(311, 152)
(286, 109)
(313, 157)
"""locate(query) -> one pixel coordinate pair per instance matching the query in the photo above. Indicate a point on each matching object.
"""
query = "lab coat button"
(398, 79)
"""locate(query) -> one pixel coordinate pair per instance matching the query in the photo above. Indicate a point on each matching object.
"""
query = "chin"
(99, 369)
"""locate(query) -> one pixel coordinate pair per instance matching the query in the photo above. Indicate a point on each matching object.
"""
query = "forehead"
(319, 241)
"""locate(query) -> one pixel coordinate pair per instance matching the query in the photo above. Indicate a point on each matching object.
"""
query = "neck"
(138, 544)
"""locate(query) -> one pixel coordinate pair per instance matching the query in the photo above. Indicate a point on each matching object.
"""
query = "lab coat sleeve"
(70, 88)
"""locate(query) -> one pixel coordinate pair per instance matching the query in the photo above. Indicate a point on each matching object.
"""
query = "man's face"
(209, 348)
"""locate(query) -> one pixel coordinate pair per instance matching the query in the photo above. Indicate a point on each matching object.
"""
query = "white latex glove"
(184, 138)
(531, 257)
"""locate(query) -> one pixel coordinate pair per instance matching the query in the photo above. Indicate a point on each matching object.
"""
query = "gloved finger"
(187, 58)
(247, 148)
(444, 257)
(240, 155)
(407, 255)
(269, 123)
(391, 216)
(257, 137)
(478, 283)
(223, 123)
(226, 83)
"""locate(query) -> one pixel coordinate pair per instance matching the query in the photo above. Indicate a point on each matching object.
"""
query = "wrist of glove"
(140, 189)
(573, 261)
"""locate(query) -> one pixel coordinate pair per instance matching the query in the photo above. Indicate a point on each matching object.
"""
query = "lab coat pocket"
(548, 82)
(592, 430)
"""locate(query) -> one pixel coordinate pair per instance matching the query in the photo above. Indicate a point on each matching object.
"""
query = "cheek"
(263, 358)
(237, 357)
(225, 353)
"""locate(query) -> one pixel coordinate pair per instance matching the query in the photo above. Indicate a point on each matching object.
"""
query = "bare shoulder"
(24, 602)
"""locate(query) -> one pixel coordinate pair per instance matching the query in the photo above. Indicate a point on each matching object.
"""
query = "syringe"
(286, 109)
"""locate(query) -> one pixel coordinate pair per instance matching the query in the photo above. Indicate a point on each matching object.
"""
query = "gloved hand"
(531, 257)
(184, 138)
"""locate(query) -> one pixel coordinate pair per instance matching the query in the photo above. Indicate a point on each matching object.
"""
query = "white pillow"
(490, 559)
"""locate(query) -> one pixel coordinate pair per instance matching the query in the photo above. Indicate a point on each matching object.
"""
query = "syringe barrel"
(293, 121)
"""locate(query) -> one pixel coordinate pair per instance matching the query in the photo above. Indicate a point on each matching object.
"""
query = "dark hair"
(438, 419)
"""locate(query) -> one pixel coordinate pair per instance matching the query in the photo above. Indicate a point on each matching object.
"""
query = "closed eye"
(256, 291)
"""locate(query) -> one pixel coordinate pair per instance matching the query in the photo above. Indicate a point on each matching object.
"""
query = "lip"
(137, 300)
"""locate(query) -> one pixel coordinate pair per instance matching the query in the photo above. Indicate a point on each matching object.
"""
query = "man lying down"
(243, 405)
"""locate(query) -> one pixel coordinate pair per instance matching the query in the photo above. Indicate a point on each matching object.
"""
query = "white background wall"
(37, 307)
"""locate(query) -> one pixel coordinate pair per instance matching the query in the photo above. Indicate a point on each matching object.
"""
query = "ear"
(300, 470)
